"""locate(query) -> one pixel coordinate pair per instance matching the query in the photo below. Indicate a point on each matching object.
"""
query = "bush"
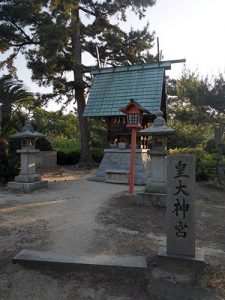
(71, 158)
(205, 163)
(14, 145)
(68, 151)
(188, 135)
(182, 140)
(97, 154)
(9, 167)
(65, 145)
(43, 144)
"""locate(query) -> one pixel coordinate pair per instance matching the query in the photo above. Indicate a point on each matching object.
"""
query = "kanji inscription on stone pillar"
(181, 204)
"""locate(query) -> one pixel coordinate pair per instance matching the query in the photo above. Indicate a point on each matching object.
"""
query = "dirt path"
(60, 219)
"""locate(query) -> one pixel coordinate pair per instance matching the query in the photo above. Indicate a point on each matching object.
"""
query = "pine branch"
(21, 45)
(87, 11)
(21, 30)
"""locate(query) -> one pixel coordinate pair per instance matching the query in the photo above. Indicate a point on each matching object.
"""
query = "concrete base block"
(132, 266)
(116, 159)
(155, 187)
(198, 258)
(165, 290)
(28, 178)
(151, 199)
(178, 268)
(27, 187)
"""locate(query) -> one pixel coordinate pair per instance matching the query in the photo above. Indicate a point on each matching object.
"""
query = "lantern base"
(155, 187)
(28, 178)
(27, 187)
(151, 199)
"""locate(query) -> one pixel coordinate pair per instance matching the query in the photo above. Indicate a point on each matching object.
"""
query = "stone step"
(117, 176)
(131, 266)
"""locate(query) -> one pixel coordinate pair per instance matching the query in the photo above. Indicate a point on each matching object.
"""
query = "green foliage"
(196, 105)
(43, 144)
(68, 151)
(97, 154)
(205, 162)
(68, 158)
(98, 133)
(197, 100)
(13, 96)
(189, 135)
(210, 146)
(65, 145)
(56, 124)
(14, 145)
(9, 167)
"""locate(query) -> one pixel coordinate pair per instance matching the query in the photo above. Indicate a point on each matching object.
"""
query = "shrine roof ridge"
(155, 65)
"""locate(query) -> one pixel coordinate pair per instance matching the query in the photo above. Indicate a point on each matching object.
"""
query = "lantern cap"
(159, 126)
(27, 132)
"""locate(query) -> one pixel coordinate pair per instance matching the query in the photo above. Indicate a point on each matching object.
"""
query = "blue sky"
(191, 29)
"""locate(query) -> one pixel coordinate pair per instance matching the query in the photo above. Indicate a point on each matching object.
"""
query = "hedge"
(205, 162)
(72, 158)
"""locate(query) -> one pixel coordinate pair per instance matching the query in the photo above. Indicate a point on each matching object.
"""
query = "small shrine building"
(112, 89)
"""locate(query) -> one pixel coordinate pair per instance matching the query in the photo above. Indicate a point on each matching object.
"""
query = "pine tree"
(53, 35)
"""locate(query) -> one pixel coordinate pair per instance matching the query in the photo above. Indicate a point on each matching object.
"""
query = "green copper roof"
(113, 88)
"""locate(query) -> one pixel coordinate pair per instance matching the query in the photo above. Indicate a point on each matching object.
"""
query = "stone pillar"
(181, 205)
(179, 261)
(158, 171)
(181, 208)
(28, 166)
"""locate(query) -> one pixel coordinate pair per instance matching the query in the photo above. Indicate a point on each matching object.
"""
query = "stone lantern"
(28, 179)
(155, 189)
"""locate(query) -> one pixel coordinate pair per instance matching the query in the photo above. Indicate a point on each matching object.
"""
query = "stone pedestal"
(118, 161)
(155, 189)
(27, 187)
(157, 182)
(28, 180)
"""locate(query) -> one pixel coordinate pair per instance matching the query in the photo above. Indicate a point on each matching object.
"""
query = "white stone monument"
(28, 179)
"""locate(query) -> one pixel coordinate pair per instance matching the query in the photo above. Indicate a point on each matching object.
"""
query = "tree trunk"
(4, 150)
(85, 157)
(6, 109)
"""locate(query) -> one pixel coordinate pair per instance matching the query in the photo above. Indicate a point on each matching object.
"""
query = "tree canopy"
(13, 96)
(195, 105)
(197, 100)
(53, 35)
